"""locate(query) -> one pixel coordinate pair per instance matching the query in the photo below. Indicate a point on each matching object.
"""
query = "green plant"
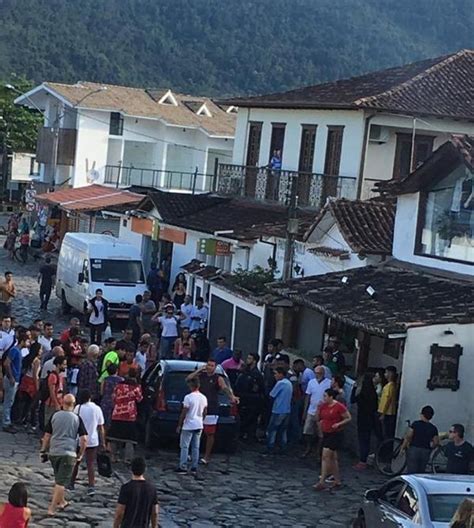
(254, 280)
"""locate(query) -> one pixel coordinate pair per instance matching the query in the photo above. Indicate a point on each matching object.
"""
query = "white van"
(88, 262)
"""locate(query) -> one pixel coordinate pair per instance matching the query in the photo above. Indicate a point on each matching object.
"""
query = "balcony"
(308, 189)
(194, 182)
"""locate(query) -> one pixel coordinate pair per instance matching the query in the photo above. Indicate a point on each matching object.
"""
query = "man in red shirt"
(73, 323)
(56, 388)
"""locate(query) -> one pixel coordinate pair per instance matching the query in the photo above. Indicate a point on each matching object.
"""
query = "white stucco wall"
(405, 236)
(353, 121)
(450, 406)
(380, 156)
(92, 143)
(127, 235)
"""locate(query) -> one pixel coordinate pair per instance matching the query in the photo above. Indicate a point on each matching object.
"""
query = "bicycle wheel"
(438, 462)
(389, 458)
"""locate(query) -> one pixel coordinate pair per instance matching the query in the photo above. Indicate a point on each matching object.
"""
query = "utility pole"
(291, 229)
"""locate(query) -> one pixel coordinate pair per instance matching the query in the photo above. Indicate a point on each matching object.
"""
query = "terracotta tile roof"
(172, 205)
(404, 297)
(443, 86)
(90, 198)
(138, 102)
(367, 226)
(457, 150)
(242, 220)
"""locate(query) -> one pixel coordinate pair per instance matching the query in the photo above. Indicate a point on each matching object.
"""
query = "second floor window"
(116, 124)
(403, 163)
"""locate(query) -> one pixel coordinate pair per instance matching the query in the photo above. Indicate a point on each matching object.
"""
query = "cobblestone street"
(245, 491)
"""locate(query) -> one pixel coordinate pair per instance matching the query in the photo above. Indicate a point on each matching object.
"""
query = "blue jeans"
(166, 347)
(9, 391)
(277, 428)
(187, 439)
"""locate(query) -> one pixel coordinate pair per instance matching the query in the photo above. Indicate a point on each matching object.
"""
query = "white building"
(415, 311)
(348, 134)
(98, 133)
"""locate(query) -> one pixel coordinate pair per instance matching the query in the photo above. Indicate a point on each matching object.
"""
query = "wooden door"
(253, 155)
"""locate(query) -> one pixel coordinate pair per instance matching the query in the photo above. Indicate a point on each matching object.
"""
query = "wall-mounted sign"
(210, 246)
(155, 230)
(444, 367)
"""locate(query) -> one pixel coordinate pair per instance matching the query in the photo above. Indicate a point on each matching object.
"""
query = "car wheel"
(65, 308)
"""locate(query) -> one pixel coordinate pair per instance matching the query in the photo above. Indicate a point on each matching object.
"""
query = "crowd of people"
(73, 386)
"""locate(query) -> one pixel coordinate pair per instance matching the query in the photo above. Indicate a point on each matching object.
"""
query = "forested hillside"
(224, 46)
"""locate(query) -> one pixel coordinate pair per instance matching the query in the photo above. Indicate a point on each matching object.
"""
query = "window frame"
(116, 124)
(404, 138)
(420, 223)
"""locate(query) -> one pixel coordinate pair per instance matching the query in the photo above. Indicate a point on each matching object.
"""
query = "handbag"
(104, 465)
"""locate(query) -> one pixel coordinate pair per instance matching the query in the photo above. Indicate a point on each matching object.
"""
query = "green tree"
(18, 125)
(254, 280)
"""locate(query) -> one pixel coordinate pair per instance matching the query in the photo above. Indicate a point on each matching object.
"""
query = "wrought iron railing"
(121, 176)
(261, 183)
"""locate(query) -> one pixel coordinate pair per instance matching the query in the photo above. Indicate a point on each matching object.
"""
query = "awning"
(89, 198)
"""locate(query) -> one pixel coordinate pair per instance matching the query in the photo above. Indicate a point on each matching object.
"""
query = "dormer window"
(446, 218)
(116, 124)
(204, 111)
(168, 99)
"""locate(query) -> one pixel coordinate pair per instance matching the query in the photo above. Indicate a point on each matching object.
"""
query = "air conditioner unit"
(379, 134)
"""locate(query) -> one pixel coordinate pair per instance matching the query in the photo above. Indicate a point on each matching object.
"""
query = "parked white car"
(88, 262)
(415, 501)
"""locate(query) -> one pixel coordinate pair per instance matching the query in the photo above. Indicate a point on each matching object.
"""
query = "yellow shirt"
(388, 400)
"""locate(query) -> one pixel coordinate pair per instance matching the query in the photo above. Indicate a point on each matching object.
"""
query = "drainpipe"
(363, 154)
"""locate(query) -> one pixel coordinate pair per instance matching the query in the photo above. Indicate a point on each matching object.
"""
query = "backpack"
(43, 391)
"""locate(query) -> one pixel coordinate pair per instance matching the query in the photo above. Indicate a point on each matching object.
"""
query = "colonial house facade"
(340, 138)
(121, 136)
(415, 310)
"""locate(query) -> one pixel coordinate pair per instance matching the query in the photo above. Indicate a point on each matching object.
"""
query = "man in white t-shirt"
(169, 331)
(46, 338)
(7, 335)
(314, 396)
(93, 419)
(190, 426)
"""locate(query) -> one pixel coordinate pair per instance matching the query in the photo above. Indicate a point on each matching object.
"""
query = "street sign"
(30, 195)
(30, 206)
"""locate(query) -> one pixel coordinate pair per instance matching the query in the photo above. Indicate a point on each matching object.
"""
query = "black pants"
(45, 294)
(249, 409)
(96, 333)
(389, 425)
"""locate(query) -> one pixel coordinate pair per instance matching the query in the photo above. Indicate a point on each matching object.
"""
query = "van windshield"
(118, 271)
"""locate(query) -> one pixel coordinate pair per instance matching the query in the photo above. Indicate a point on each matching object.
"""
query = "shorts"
(333, 441)
(311, 426)
(63, 466)
(210, 424)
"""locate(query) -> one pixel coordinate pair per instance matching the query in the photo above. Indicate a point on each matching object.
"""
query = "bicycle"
(390, 460)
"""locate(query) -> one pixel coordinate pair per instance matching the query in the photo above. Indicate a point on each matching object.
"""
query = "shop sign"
(211, 246)
(444, 367)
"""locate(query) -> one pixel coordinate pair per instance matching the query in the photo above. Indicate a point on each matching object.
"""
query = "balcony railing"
(121, 176)
(308, 189)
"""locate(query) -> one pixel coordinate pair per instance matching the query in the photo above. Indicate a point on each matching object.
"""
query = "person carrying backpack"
(53, 399)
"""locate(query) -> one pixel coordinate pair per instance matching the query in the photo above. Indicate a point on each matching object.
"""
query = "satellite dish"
(92, 174)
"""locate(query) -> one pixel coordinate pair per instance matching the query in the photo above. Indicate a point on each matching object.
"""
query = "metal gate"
(220, 323)
(247, 331)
